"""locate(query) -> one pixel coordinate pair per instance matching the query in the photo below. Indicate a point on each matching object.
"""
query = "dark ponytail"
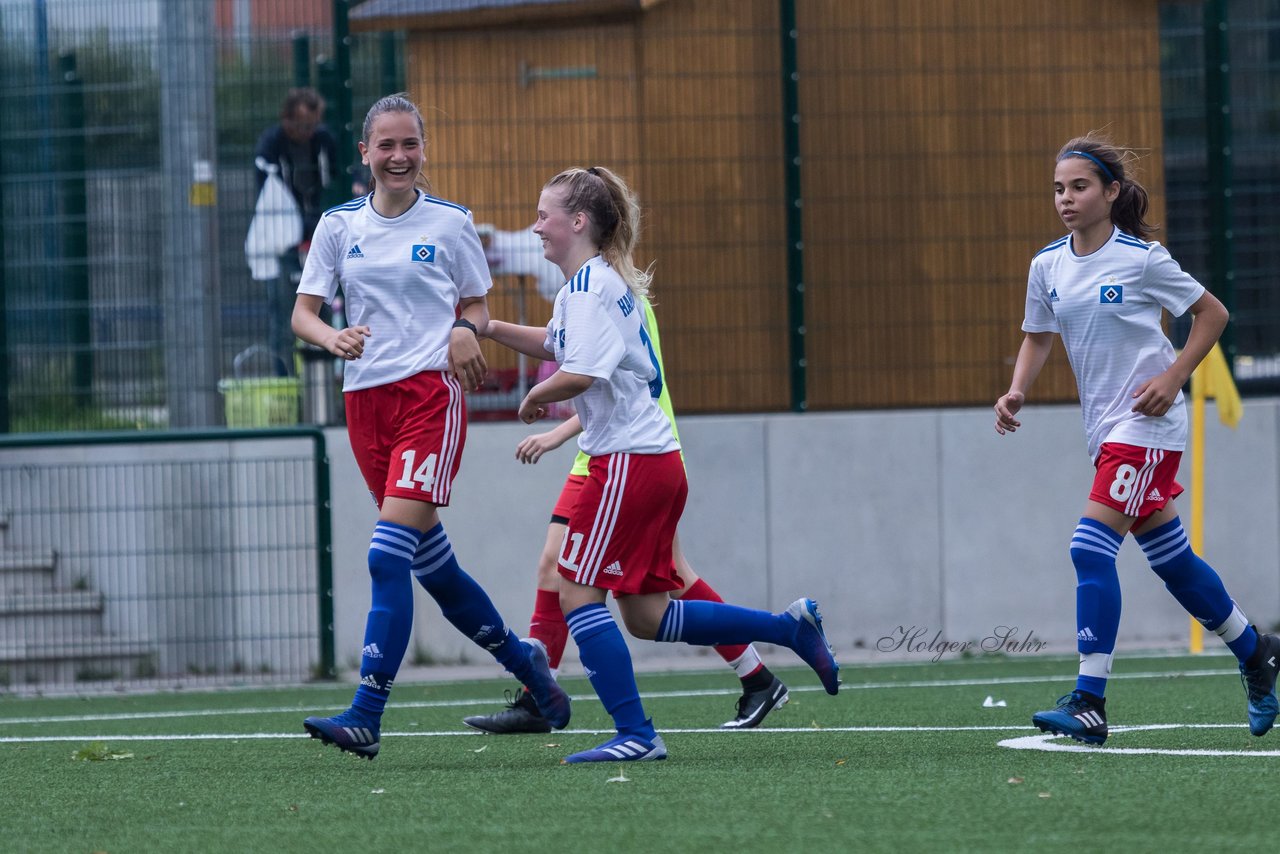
(1129, 210)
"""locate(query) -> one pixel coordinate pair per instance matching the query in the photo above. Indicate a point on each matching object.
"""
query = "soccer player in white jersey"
(762, 691)
(414, 278)
(1102, 288)
(620, 529)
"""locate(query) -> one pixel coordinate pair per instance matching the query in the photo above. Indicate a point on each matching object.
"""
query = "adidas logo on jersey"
(614, 568)
(371, 651)
(1154, 495)
(1086, 634)
(1053, 295)
(355, 252)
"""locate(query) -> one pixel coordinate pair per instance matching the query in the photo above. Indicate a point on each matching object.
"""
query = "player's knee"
(641, 625)
(386, 567)
(549, 569)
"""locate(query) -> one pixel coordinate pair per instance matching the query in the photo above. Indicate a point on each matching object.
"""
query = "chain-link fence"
(841, 198)
(188, 557)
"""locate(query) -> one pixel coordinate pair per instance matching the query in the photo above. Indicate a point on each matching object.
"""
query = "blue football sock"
(386, 632)
(1197, 587)
(607, 661)
(1094, 547)
(465, 604)
(713, 623)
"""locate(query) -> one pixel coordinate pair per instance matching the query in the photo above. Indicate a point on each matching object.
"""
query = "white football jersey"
(1106, 306)
(598, 330)
(401, 277)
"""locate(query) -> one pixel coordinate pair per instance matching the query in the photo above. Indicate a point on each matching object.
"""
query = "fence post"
(1217, 88)
(342, 103)
(301, 59)
(70, 145)
(390, 67)
(4, 319)
(324, 558)
(793, 201)
(192, 314)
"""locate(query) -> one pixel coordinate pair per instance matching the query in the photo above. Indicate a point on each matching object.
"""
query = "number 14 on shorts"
(424, 476)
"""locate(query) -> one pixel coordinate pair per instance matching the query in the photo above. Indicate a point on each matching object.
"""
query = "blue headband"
(1087, 156)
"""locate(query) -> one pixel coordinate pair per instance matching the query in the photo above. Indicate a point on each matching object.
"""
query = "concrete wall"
(901, 523)
(895, 521)
(203, 551)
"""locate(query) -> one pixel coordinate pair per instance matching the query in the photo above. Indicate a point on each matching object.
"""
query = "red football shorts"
(620, 530)
(568, 498)
(408, 436)
(1136, 481)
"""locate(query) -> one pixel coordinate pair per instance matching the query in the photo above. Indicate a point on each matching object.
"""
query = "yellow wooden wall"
(928, 134)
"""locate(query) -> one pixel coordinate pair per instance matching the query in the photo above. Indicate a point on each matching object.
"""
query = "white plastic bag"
(276, 227)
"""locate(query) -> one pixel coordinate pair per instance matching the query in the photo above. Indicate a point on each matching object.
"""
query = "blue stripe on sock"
(714, 623)
(395, 539)
(672, 625)
(1165, 543)
(607, 661)
(466, 605)
(1194, 583)
(390, 620)
(582, 621)
(1093, 554)
(433, 552)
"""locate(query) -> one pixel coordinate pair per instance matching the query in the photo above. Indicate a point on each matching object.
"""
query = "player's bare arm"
(523, 339)
(531, 448)
(562, 385)
(1209, 318)
(344, 343)
(1032, 355)
(466, 362)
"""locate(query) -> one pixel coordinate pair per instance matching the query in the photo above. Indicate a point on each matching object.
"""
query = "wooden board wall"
(928, 134)
(498, 132)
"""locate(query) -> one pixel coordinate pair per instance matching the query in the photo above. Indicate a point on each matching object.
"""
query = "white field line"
(1052, 743)
(1034, 742)
(578, 698)
(476, 734)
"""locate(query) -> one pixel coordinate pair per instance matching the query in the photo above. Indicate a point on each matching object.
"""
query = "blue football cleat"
(622, 748)
(810, 643)
(1075, 717)
(1258, 676)
(348, 732)
(553, 702)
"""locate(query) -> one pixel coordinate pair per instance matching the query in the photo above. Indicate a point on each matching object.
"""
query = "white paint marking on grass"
(578, 698)
(232, 736)
(1047, 743)
(1051, 743)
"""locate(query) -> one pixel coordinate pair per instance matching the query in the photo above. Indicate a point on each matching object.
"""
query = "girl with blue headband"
(1102, 287)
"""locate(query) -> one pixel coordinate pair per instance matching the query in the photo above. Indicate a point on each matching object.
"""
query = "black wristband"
(463, 323)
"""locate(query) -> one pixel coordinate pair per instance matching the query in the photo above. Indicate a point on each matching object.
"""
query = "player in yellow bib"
(762, 691)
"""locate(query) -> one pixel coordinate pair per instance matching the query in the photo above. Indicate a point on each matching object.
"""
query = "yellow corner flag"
(1214, 379)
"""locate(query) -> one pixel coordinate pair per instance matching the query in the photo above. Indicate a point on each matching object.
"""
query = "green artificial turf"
(906, 758)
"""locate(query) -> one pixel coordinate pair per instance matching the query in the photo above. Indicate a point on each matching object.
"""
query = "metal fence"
(164, 558)
(127, 130)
